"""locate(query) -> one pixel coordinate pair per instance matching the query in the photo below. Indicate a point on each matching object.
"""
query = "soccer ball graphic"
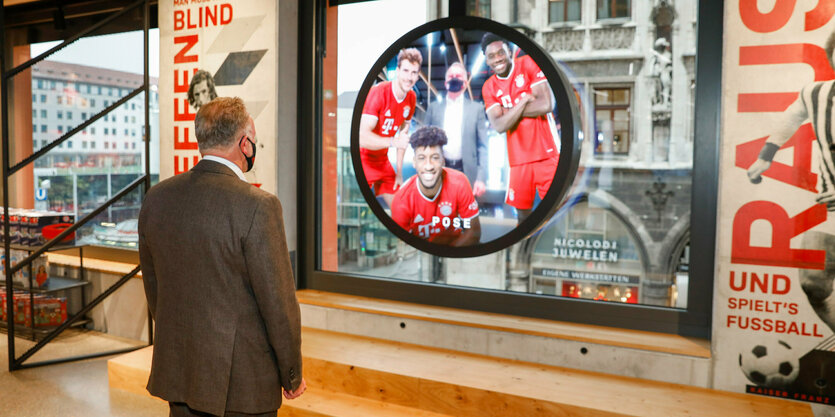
(771, 364)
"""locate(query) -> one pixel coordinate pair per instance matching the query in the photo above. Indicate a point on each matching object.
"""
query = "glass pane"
(480, 8)
(621, 8)
(573, 10)
(621, 119)
(603, 97)
(612, 8)
(628, 204)
(557, 10)
(620, 141)
(98, 161)
(620, 96)
(603, 9)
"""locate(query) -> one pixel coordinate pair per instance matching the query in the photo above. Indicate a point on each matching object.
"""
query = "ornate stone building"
(633, 65)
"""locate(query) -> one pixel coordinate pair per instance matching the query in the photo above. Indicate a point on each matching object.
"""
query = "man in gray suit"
(218, 280)
(466, 128)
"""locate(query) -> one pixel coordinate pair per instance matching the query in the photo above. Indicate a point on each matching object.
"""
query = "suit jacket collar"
(206, 165)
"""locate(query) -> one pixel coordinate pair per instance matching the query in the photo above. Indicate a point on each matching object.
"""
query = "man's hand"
(400, 141)
(755, 172)
(479, 188)
(298, 392)
(827, 198)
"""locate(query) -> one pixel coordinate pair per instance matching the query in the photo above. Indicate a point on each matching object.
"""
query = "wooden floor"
(357, 376)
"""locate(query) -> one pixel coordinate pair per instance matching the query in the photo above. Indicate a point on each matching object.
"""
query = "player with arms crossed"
(437, 203)
(814, 103)
(385, 122)
(517, 99)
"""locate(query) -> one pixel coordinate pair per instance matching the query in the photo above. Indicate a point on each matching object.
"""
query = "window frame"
(694, 321)
(565, 13)
(615, 19)
(612, 108)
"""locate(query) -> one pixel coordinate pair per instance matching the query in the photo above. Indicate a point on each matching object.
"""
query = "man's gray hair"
(459, 65)
(219, 122)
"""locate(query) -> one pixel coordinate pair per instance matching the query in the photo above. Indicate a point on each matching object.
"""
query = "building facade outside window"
(84, 176)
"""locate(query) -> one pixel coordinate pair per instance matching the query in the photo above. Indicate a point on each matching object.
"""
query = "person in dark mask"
(218, 279)
(465, 124)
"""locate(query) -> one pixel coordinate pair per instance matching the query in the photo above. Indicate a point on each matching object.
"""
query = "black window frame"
(694, 321)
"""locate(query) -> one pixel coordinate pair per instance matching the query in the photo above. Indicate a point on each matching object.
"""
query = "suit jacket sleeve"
(146, 263)
(481, 142)
(431, 117)
(272, 282)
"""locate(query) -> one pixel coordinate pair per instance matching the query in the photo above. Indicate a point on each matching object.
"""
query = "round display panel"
(464, 137)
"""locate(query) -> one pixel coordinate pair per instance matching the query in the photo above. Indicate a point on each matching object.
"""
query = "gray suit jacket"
(220, 287)
(473, 136)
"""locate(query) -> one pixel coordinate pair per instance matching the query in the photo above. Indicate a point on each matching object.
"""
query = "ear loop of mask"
(250, 160)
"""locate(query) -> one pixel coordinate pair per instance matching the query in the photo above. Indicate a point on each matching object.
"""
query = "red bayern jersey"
(389, 112)
(533, 138)
(440, 219)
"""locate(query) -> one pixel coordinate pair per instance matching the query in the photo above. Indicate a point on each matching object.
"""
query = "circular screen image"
(464, 137)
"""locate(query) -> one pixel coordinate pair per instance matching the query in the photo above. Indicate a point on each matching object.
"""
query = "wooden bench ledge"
(118, 268)
(635, 339)
(445, 381)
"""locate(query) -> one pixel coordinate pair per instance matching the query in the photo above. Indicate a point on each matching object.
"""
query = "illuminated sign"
(586, 276)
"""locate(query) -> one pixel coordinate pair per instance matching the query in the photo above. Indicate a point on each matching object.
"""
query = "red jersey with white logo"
(533, 139)
(389, 112)
(440, 219)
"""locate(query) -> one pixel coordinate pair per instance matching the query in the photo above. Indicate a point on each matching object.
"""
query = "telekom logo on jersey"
(799, 174)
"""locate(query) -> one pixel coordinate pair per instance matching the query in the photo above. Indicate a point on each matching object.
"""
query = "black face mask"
(455, 85)
(250, 160)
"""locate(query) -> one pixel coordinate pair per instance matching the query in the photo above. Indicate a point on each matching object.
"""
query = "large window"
(621, 240)
(562, 11)
(78, 179)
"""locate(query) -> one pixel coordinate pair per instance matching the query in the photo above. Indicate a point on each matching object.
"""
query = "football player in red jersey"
(385, 121)
(518, 102)
(437, 203)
